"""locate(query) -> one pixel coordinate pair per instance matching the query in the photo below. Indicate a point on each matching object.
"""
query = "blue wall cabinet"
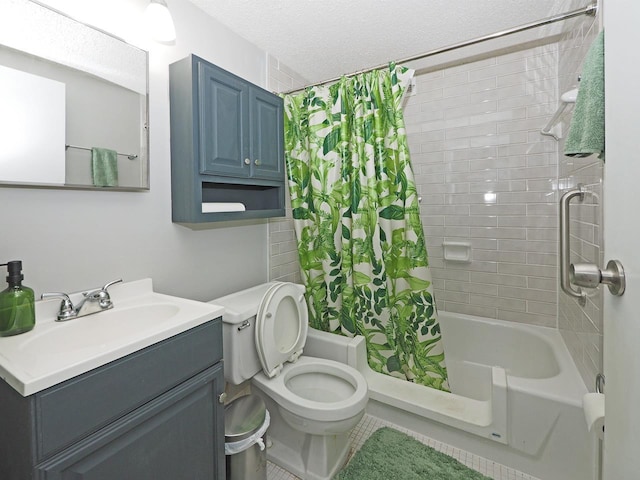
(227, 144)
(152, 415)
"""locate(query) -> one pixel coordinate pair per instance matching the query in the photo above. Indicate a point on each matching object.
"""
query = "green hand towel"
(586, 132)
(104, 167)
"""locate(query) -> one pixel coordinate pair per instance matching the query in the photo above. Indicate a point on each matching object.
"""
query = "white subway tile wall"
(284, 265)
(486, 176)
(582, 327)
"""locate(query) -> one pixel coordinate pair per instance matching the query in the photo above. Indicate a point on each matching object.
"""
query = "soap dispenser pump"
(17, 303)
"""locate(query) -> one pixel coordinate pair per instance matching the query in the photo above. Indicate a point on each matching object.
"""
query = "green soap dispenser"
(17, 303)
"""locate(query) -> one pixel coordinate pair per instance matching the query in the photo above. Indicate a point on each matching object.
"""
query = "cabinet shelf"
(227, 144)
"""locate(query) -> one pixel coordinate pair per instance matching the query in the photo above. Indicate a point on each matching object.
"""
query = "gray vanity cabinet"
(151, 415)
(227, 144)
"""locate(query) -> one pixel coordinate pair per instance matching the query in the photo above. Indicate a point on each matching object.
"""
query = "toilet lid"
(281, 326)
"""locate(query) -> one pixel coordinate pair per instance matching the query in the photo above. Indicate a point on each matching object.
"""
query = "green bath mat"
(391, 455)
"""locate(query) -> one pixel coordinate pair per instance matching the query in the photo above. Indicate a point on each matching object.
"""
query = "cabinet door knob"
(247, 161)
(257, 162)
(222, 397)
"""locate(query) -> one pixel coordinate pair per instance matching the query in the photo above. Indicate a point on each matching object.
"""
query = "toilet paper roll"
(593, 406)
(212, 207)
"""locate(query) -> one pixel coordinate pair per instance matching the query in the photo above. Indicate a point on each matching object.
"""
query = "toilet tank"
(241, 360)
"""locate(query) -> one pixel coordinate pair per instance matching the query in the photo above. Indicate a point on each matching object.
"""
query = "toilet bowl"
(314, 403)
(317, 396)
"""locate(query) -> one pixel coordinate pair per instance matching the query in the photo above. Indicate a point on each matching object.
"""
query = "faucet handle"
(104, 289)
(103, 295)
(66, 310)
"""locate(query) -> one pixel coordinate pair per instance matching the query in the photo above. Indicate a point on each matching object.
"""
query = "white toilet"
(314, 403)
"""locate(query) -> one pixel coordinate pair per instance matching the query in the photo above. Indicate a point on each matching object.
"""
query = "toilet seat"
(349, 402)
(281, 327)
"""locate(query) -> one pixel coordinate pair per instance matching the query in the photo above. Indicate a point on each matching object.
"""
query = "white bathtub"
(517, 395)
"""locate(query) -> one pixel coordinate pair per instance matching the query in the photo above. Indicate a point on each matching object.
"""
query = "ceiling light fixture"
(158, 22)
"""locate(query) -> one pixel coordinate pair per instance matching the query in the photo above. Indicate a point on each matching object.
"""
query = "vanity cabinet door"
(267, 135)
(224, 112)
(241, 127)
(167, 439)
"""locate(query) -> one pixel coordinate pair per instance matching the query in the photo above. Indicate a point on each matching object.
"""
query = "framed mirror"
(73, 103)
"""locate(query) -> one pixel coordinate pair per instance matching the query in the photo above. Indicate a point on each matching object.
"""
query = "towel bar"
(584, 274)
(128, 155)
(565, 249)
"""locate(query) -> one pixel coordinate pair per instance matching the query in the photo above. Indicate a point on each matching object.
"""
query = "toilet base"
(310, 457)
(313, 460)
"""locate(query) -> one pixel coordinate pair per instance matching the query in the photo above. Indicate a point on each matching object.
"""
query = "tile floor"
(370, 424)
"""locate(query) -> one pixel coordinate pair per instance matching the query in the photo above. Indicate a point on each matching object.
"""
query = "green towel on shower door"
(104, 167)
(586, 132)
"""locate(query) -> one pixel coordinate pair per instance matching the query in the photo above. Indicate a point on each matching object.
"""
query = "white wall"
(74, 240)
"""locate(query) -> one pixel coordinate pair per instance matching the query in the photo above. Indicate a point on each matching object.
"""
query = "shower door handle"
(584, 274)
(565, 247)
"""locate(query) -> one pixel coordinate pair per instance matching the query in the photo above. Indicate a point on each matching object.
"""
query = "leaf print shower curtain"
(357, 221)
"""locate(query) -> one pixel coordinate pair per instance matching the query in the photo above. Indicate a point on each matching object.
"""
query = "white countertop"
(56, 351)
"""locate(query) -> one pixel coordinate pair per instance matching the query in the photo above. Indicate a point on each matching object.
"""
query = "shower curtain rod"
(589, 10)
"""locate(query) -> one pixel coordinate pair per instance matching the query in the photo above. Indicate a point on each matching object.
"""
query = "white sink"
(57, 351)
(98, 331)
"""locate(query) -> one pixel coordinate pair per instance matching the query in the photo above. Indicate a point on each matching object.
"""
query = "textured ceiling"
(324, 39)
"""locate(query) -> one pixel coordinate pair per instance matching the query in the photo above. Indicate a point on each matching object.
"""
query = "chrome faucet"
(92, 302)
